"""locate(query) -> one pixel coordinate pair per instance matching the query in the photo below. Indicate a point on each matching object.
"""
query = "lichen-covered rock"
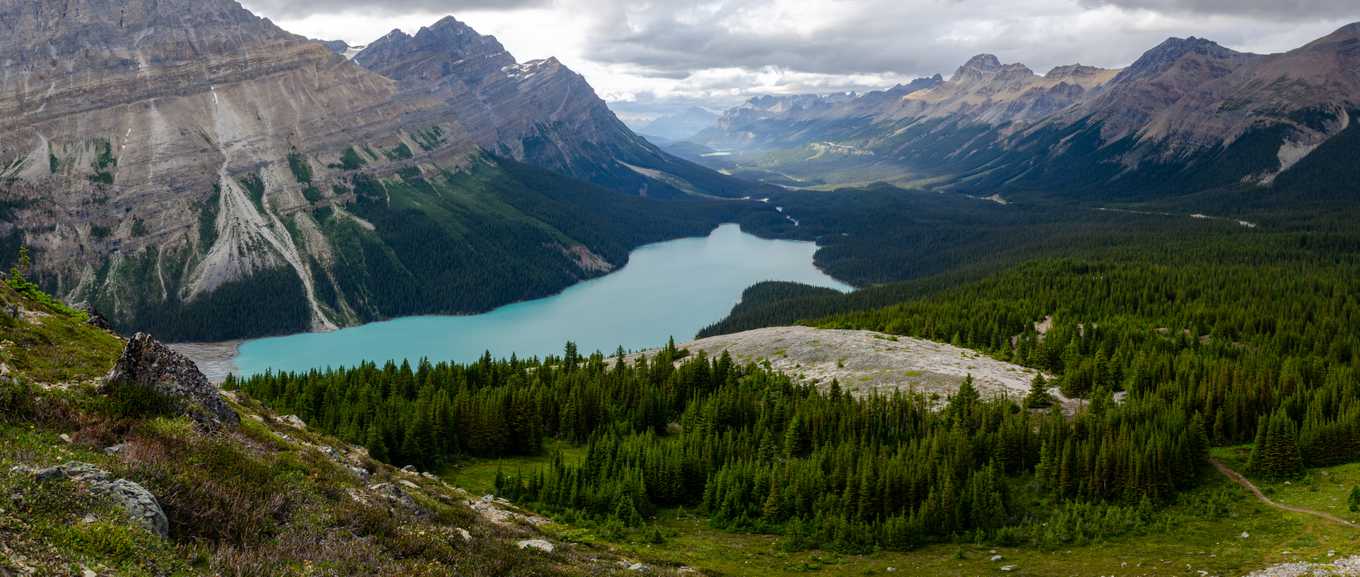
(293, 421)
(396, 496)
(148, 363)
(503, 513)
(539, 544)
(139, 503)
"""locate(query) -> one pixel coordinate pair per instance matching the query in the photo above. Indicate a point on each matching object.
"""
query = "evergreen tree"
(1038, 397)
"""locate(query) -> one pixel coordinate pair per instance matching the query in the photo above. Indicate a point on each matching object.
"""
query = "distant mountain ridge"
(1188, 115)
(680, 125)
(188, 167)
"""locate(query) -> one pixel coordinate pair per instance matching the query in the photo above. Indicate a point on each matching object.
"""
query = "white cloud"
(723, 51)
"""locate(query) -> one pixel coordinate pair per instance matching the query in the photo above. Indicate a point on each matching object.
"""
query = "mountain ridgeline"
(203, 174)
(1188, 116)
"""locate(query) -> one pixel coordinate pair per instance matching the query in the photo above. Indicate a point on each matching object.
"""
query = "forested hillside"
(757, 452)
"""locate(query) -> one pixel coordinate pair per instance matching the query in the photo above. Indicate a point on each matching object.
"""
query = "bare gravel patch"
(866, 362)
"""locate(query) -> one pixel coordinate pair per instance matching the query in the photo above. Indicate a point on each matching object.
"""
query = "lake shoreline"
(219, 359)
(215, 360)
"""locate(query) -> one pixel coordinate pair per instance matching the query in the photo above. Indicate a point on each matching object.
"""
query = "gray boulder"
(539, 544)
(148, 363)
(140, 504)
(394, 495)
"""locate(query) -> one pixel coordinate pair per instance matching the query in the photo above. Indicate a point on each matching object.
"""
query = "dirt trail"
(1243, 481)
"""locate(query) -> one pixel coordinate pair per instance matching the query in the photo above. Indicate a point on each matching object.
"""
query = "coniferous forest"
(757, 452)
(1225, 344)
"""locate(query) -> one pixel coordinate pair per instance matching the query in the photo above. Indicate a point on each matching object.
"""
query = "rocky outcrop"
(148, 364)
(395, 496)
(140, 504)
(539, 544)
(501, 512)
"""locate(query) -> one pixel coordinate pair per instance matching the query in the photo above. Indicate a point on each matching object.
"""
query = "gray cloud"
(722, 51)
(303, 8)
(1288, 9)
(922, 37)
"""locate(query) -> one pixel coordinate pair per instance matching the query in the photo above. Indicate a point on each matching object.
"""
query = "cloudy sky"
(648, 55)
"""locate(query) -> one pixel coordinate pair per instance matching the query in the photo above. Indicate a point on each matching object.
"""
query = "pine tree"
(21, 268)
(961, 405)
(1038, 397)
(1276, 452)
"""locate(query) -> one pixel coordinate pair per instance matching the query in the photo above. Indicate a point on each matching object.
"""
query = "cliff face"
(163, 156)
(131, 125)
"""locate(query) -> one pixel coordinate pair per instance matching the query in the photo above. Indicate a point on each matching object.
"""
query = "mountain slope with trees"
(163, 179)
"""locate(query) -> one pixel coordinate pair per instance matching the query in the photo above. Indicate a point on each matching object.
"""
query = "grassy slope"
(49, 346)
(1200, 532)
(478, 476)
(261, 500)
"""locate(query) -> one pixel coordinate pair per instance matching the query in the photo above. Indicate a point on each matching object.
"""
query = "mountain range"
(1189, 115)
(170, 161)
(679, 125)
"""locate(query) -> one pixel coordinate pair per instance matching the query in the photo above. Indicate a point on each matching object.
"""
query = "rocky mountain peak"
(1073, 71)
(452, 35)
(452, 26)
(986, 68)
(445, 48)
(394, 36)
(1348, 35)
(918, 84)
(977, 67)
(1167, 54)
(983, 62)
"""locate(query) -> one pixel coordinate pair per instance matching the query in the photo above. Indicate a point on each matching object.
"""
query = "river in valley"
(668, 289)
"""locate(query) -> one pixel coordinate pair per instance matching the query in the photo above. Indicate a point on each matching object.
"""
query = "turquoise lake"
(669, 289)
